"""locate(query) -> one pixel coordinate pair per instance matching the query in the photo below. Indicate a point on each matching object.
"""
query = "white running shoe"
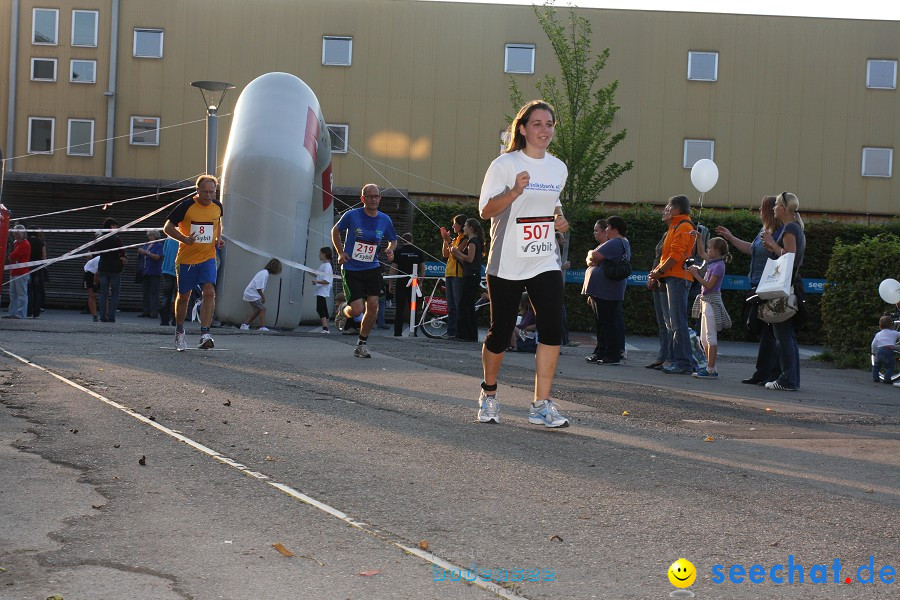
(206, 342)
(264, 329)
(340, 319)
(488, 408)
(361, 351)
(547, 414)
(245, 327)
(325, 331)
(180, 343)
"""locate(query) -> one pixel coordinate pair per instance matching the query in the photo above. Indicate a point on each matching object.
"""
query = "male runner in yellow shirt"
(196, 224)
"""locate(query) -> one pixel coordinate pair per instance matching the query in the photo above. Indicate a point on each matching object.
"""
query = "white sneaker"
(180, 343)
(488, 408)
(206, 342)
(245, 327)
(340, 319)
(325, 331)
(361, 351)
(547, 414)
(264, 329)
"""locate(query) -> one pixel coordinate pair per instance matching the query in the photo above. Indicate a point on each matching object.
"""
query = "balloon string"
(700, 212)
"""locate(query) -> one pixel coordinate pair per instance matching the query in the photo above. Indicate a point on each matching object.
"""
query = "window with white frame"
(703, 66)
(145, 131)
(148, 43)
(43, 69)
(695, 150)
(83, 71)
(338, 134)
(81, 137)
(519, 58)
(40, 135)
(881, 74)
(45, 26)
(337, 50)
(84, 28)
(877, 162)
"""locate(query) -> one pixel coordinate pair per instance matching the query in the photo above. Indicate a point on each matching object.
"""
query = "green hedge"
(645, 227)
(851, 305)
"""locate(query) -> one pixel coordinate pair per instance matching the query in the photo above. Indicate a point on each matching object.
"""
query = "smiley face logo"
(682, 573)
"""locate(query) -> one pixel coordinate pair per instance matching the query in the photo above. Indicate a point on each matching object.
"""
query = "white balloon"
(889, 290)
(704, 175)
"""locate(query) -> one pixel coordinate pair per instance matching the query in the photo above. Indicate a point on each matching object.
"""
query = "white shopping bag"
(776, 277)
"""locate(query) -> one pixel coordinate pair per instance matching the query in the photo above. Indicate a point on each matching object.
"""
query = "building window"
(43, 69)
(695, 150)
(338, 135)
(881, 74)
(83, 71)
(45, 26)
(337, 50)
(876, 162)
(145, 131)
(84, 28)
(703, 66)
(148, 43)
(40, 135)
(519, 58)
(81, 137)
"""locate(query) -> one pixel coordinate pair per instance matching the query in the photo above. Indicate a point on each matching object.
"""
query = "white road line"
(286, 489)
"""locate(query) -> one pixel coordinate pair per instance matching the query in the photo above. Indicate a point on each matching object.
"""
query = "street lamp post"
(213, 92)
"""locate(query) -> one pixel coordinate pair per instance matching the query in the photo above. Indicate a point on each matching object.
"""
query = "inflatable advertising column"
(277, 161)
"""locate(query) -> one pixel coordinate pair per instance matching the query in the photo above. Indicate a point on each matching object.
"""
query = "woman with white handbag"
(793, 240)
(767, 368)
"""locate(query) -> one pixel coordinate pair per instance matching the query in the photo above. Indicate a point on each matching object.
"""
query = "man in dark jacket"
(110, 272)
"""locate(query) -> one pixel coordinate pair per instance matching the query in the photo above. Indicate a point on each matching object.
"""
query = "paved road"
(351, 464)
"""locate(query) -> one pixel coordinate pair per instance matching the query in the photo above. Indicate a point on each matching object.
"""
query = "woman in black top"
(469, 256)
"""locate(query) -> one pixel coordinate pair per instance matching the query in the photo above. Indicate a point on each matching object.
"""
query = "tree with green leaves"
(584, 137)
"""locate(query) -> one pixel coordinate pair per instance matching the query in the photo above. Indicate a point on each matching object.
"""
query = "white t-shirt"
(324, 289)
(523, 240)
(258, 282)
(885, 338)
(92, 266)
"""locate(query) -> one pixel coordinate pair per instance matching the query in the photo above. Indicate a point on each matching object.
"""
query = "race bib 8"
(535, 237)
(202, 233)
(364, 252)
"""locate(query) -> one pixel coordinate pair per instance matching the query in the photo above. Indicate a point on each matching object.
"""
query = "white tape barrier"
(297, 265)
(104, 205)
(130, 230)
(104, 236)
(47, 261)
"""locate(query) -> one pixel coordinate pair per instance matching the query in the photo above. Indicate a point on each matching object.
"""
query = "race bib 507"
(535, 237)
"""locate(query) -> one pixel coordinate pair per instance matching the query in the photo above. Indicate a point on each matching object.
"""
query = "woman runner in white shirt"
(520, 195)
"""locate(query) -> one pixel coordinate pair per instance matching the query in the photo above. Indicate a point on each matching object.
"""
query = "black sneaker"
(593, 358)
(606, 361)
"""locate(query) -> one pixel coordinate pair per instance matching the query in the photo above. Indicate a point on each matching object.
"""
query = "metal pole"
(212, 139)
(13, 78)
(111, 89)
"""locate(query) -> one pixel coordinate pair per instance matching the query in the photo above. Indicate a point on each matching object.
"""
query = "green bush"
(645, 227)
(851, 305)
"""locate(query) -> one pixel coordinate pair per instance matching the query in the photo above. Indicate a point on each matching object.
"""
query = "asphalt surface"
(173, 475)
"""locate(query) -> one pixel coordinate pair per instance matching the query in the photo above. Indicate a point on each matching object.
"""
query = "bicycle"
(433, 322)
(896, 376)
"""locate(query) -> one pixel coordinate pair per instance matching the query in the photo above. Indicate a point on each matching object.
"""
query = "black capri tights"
(322, 307)
(546, 294)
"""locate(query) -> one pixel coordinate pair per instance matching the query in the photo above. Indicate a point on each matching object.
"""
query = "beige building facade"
(417, 92)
